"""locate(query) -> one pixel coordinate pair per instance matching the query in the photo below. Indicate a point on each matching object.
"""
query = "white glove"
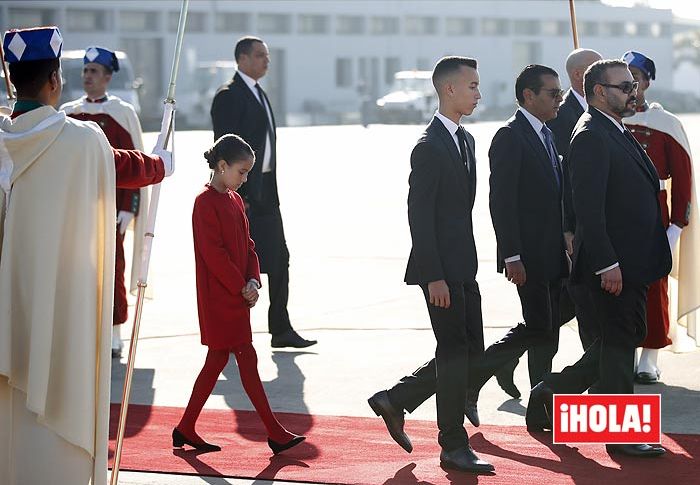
(124, 218)
(168, 160)
(673, 233)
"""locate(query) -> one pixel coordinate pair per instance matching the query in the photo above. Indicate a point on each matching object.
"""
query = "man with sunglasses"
(662, 136)
(525, 203)
(620, 245)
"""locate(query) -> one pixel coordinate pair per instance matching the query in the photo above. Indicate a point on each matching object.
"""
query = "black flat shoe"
(640, 450)
(539, 408)
(291, 339)
(179, 440)
(393, 419)
(647, 377)
(280, 447)
(464, 459)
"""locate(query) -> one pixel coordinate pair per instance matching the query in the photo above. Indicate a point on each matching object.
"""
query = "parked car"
(412, 99)
(197, 92)
(123, 85)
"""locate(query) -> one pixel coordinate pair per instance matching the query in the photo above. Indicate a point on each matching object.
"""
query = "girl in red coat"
(228, 276)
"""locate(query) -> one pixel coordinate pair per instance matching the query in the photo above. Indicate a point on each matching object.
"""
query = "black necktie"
(462, 138)
(553, 159)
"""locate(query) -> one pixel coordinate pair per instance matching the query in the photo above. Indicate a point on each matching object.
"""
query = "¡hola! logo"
(607, 418)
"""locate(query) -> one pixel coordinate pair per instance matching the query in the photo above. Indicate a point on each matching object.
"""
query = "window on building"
(526, 27)
(555, 27)
(312, 24)
(631, 28)
(612, 29)
(421, 25)
(135, 21)
(424, 64)
(643, 29)
(392, 65)
(232, 22)
(343, 72)
(589, 29)
(665, 30)
(274, 23)
(526, 53)
(460, 26)
(384, 25)
(78, 20)
(196, 21)
(350, 24)
(494, 26)
(21, 18)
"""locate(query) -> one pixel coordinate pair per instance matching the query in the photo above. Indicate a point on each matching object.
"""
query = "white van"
(123, 85)
(412, 99)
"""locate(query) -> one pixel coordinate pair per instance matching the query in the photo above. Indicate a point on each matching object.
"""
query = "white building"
(323, 50)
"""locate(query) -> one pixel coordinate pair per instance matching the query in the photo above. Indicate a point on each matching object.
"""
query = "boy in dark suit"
(443, 262)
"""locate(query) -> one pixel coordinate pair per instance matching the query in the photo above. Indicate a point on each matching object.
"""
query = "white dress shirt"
(451, 126)
(250, 82)
(582, 101)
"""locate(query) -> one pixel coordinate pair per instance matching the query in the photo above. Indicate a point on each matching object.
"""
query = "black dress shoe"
(291, 339)
(470, 409)
(179, 440)
(117, 353)
(641, 450)
(393, 418)
(647, 377)
(280, 447)
(464, 459)
(539, 408)
(505, 380)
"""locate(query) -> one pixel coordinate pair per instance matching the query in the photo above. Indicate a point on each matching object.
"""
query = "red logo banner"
(607, 418)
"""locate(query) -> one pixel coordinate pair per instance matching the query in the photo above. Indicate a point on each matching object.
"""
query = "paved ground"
(343, 192)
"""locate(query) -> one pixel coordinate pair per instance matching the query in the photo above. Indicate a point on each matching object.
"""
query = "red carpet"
(360, 451)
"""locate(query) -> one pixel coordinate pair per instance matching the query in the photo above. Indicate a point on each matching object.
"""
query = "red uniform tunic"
(225, 261)
(671, 162)
(127, 200)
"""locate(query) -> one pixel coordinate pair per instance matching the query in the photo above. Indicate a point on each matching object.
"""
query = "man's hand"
(611, 281)
(124, 218)
(250, 293)
(439, 294)
(569, 240)
(515, 272)
(168, 160)
(673, 233)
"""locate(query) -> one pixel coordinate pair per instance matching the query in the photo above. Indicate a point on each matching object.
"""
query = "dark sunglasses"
(554, 93)
(626, 87)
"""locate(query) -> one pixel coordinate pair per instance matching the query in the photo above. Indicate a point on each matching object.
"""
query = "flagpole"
(166, 130)
(574, 30)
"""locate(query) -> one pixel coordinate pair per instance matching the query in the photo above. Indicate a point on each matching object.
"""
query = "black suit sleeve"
(590, 166)
(227, 114)
(562, 127)
(505, 157)
(424, 183)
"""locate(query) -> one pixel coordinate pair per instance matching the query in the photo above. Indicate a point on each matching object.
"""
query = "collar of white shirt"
(449, 124)
(534, 122)
(581, 100)
(615, 122)
(249, 81)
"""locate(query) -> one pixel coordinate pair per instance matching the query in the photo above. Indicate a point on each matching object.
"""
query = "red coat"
(225, 260)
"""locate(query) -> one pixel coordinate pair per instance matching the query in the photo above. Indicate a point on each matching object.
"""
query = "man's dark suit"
(575, 299)
(235, 109)
(614, 188)
(440, 201)
(525, 202)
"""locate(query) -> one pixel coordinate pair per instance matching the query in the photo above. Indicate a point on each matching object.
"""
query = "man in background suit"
(620, 244)
(241, 107)
(443, 262)
(574, 300)
(525, 202)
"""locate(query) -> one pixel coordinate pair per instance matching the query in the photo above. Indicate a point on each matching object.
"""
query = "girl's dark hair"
(230, 148)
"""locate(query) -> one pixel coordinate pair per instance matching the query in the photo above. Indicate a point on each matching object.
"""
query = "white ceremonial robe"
(56, 290)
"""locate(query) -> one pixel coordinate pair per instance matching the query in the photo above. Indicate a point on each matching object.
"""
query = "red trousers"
(121, 305)
(657, 316)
